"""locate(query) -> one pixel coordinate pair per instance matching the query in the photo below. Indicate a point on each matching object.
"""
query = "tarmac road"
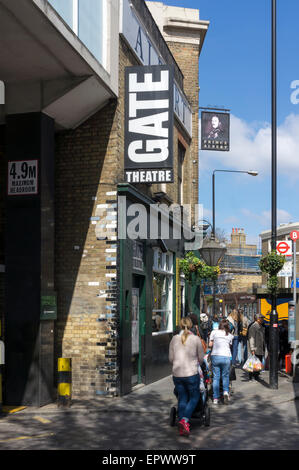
(256, 418)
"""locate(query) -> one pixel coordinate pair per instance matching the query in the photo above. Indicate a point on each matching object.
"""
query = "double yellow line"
(20, 438)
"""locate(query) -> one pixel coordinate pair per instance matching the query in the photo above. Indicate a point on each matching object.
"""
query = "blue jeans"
(188, 394)
(235, 349)
(221, 367)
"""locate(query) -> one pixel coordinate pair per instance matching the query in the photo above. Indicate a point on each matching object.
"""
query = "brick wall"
(87, 168)
(243, 283)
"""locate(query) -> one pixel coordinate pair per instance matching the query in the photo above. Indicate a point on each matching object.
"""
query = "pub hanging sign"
(149, 124)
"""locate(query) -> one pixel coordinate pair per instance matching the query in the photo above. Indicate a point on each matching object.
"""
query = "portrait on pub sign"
(214, 131)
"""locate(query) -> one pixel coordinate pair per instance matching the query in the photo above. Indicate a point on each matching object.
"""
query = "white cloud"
(264, 219)
(250, 147)
(231, 220)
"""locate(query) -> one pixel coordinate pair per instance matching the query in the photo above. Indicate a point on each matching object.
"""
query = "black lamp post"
(273, 332)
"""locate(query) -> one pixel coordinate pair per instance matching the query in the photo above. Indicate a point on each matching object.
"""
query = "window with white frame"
(88, 19)
(162, 317)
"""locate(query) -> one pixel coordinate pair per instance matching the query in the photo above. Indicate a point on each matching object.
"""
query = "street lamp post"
(273, 332)
(249, 172)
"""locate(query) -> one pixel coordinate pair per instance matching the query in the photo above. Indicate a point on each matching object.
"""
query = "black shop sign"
(149, 124)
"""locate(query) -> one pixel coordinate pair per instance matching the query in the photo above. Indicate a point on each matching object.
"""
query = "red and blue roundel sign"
(284, 248)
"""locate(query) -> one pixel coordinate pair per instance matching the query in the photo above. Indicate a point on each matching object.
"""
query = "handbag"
(232, 374)
(203, 343)
(204, 346)
(244, 331)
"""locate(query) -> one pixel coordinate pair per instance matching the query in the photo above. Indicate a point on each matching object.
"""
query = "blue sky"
(235, 73)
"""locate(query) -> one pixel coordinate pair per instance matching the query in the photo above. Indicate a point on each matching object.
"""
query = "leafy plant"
(271, 264)
(196, 270)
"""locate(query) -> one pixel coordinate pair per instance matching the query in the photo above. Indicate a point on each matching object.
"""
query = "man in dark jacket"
(256, 339)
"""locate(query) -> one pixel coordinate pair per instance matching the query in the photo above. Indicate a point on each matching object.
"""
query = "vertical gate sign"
(149, 124)
(22, 177)
(214, 131)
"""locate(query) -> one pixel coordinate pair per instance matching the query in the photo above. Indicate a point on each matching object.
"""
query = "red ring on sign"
(282, 247)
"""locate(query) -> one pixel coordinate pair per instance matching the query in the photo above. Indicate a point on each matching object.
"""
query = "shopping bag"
(253, 364)
(257, 365)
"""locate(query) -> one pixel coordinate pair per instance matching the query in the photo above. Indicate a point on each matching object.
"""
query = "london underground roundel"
(284, 248)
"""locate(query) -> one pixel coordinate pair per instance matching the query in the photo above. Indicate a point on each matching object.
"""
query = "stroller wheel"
(172, 416)
(207, 416)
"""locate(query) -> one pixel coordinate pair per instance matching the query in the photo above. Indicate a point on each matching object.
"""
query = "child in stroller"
(202, 410)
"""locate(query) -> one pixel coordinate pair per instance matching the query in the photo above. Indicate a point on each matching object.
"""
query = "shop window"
(138, 256)
(162, 313)
(64, 9)
(91, 26)
(86, 19)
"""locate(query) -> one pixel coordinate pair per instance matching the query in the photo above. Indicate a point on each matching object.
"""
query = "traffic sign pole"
(294, 290)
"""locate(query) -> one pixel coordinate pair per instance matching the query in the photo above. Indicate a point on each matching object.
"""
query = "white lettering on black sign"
(147, 52)
(22, 177)
(149, 124)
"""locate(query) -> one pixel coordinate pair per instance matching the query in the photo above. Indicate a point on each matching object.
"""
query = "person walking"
(220, 342)
(197, 330)
(244, 323)
(205, 326)
(185, 353)
(256, 340)
(234, 324)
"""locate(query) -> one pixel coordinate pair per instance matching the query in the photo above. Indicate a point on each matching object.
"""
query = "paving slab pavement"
(256, 418)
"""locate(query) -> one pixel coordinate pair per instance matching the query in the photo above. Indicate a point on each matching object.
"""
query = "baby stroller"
(202, 410)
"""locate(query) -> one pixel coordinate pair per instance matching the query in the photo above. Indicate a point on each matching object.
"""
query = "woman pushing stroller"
(185, 353)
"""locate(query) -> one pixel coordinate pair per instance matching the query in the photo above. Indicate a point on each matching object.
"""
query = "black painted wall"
(29, 264)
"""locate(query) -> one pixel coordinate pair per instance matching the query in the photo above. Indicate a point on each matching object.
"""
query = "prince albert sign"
(214, 131)
(149, 124)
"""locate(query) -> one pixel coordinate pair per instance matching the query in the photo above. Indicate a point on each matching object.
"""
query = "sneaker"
(184, 428)
(215, 401)
(226, 398)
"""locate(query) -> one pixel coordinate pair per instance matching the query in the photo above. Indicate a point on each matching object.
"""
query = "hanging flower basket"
(271, 264)
(196, 270)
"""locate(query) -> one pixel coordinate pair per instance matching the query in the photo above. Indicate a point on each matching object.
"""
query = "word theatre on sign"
(149, 124)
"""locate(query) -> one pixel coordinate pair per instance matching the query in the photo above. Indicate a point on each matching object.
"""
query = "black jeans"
(255, 374)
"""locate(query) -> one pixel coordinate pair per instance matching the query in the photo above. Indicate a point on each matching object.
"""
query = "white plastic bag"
(253, 364)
